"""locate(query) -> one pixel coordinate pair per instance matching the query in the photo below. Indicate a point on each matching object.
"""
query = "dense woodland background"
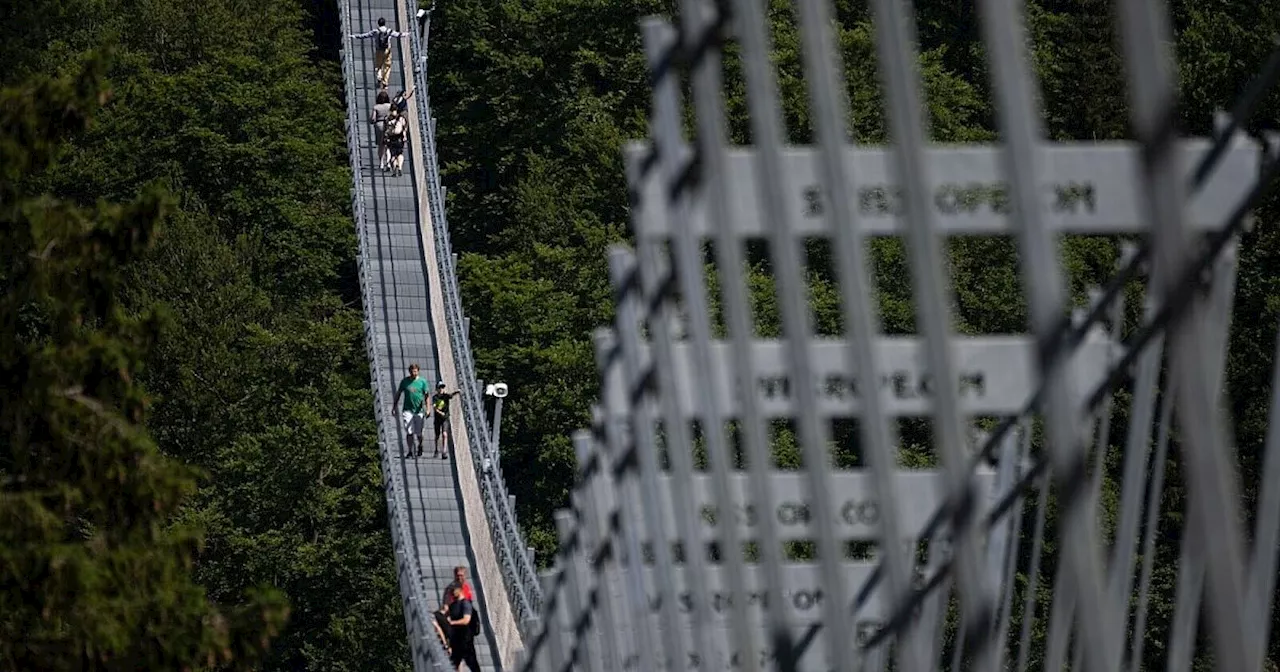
(255, 371)
(199, 487)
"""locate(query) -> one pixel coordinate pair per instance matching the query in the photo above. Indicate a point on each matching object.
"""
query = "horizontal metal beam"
(997, 375)
(1086, 188)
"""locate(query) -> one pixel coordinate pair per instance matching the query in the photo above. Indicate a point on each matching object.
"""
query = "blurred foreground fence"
(687, 548)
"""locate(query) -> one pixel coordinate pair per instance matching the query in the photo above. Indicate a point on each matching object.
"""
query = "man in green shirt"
(440, 411)
(412, 414)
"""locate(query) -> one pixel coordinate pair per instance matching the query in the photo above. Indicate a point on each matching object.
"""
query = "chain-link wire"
(1207, 271)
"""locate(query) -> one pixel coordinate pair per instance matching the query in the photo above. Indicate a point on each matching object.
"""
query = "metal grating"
(515, 556)
(426, 651)
(429, 533)
(666, 563)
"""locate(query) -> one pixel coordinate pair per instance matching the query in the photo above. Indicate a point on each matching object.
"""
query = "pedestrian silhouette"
(382, 49)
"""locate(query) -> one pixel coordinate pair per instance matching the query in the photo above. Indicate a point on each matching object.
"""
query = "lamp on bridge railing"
(499, 392)
(424, 15)
(424, 26)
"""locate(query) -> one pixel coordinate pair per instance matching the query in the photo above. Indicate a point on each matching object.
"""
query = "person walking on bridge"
(463, 630)
(440, 411)
(382, 49)
(401, 101)
(450, 595)
(414, 389)
(379, 116)
(459, 581)
(396, 134)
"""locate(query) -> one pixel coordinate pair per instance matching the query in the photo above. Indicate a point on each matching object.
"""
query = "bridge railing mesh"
(514, 555)
(425, 647)
(1040, 526)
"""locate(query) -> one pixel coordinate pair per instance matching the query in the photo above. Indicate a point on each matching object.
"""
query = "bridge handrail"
(426, 650)
(519, 574)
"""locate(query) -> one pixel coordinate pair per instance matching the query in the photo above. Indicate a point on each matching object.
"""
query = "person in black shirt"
(440, 411)
(401, 101)
(464, 626)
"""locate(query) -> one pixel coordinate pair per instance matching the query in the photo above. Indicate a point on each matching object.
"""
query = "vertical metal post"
(623, 271)
(1262, 569)
(535, 658)
(697, 23)
(599, 546)
(787, 257)
(660, 42)
(1006, 478)
(581, 622)
(631, 505)
(1014, 548)
(1213, 491)
(556, 617)
(1020, 125)
(1155, 493)
(497, 425)
(895, 32)
(424, 31)
(1191, 568)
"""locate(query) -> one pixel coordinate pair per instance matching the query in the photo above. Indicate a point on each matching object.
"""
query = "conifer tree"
(95, 572)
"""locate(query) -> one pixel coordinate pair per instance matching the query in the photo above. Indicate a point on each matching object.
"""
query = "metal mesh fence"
(514, 555)
(425, 648)
(1038, 531)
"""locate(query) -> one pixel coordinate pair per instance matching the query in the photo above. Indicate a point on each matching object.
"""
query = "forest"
(188, 159)
(188, 462)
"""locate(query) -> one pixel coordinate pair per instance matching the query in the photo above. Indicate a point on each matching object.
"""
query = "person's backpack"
(395, 132)
(384, 38)
(474, 625)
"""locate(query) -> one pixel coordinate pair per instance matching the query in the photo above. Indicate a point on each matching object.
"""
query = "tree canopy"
(188, 467)
(94, 557)
(256, 380)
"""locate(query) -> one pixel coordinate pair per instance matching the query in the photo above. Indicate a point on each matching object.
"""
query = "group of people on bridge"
(413, 413)
(388, 116)
(457, 621)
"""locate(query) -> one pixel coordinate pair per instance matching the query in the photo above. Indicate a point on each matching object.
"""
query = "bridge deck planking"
(403, 328)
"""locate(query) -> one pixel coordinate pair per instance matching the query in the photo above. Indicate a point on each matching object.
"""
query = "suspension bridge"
(665, 564)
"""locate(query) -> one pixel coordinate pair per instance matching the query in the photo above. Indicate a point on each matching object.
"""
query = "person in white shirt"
(379, 116)
(382, 49)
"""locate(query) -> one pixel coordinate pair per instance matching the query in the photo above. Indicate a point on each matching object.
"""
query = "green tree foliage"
(94, 556)
(259, 378)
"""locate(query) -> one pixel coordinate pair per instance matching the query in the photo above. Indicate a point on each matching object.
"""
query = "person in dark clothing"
(440, 411)
(402, 101)
(379, 116)
(396, 129)
(464, 626)
(443, 628)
